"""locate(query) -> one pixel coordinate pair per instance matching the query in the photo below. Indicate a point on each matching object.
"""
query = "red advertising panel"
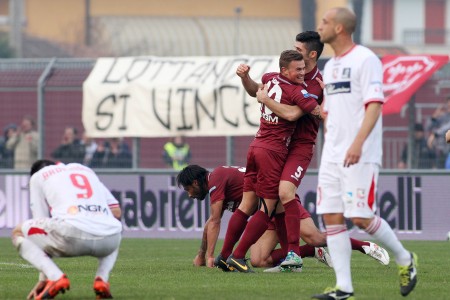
(404, 75)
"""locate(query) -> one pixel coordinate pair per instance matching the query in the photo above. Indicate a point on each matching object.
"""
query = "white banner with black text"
(167, 96)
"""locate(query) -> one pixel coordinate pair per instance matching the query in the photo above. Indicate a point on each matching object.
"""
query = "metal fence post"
(41, 105)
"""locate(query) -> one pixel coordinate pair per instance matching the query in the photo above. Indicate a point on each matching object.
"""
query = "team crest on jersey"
(335, 73)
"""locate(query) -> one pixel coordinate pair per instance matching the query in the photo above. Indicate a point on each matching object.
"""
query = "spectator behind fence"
(70, 150)
(177, 153)
(113, 153)
(6, 155)
(24, 142)
(438, 125)
(90, 146)
(422, 156)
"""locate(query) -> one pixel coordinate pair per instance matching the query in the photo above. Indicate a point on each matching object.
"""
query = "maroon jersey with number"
(274, 132)
(308, 126)
(226, 183)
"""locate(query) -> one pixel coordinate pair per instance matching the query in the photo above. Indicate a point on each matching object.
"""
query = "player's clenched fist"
(242, 70)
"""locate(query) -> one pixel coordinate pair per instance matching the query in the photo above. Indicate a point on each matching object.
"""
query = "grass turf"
(162, 269)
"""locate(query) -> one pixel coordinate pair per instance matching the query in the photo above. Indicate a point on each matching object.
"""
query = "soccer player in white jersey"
(352, 153)
(73, 214)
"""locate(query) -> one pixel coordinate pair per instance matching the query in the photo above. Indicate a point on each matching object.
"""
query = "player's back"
(226, 183)
(74, 192)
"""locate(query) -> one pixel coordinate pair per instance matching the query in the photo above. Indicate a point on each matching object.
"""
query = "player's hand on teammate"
(322, 85)
(37, 289)
(262, 94)
(242, 70)
(199, 261)
(353, 154)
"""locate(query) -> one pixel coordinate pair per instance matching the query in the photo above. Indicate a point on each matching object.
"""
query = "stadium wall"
(414, 204)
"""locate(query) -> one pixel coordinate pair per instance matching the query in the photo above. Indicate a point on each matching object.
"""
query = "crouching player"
(225, 185)
(73, 214)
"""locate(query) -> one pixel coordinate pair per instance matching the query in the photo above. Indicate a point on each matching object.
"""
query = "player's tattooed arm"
(317, 113)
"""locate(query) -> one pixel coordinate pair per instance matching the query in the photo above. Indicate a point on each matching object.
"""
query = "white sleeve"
(110, 200)
(372, 79)
(38, 204)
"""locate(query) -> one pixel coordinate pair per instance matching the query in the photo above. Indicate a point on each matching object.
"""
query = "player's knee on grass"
(17, 236)
(259, 262)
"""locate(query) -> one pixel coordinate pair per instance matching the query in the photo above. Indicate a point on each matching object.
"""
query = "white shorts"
(350, 191)
(60, 239)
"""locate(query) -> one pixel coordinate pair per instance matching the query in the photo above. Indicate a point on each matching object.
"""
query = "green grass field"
(162, 269)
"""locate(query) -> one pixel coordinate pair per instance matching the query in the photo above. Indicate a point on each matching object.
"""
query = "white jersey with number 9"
(74, 193)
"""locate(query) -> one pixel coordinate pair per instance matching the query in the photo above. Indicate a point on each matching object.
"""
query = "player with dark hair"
(225, 186)
(74, 214)
(300, 149)
(352, 153)
(266, 158)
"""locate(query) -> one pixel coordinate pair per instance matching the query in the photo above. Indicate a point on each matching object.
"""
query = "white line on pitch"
(25, 266)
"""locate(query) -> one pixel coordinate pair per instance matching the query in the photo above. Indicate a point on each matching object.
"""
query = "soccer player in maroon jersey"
(266, 157)
(286, 195)
(225, 185)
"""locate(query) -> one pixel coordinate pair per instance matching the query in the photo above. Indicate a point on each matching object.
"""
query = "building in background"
(94, 28)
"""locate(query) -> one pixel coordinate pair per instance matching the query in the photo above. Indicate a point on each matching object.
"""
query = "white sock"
(381, 231)
(340, 250)
(105, 265)
(37, 257)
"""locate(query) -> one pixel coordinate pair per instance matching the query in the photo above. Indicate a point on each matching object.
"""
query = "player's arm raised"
(287, 112)
(247, 82)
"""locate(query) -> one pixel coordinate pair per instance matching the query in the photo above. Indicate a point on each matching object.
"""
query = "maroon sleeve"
(216, 185)
(267, 76)
(305, 102)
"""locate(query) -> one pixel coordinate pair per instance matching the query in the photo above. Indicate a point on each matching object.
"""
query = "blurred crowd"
(19, 148)
(430, 150)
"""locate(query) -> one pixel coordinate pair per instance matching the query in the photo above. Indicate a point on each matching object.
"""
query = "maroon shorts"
(297, 162)
(304, 214)
(263, 172)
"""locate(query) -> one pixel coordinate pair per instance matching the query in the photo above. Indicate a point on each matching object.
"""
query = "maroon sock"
(277, 255)
(256, 227)
(236, 226)
(292, 220)
(280, 225)
(307, 251)
(357, 245)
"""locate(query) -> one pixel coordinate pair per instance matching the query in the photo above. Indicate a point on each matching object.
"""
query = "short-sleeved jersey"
(352, 81)
(275, 132)
(226, 183)
(73, 192)
(307, 126)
